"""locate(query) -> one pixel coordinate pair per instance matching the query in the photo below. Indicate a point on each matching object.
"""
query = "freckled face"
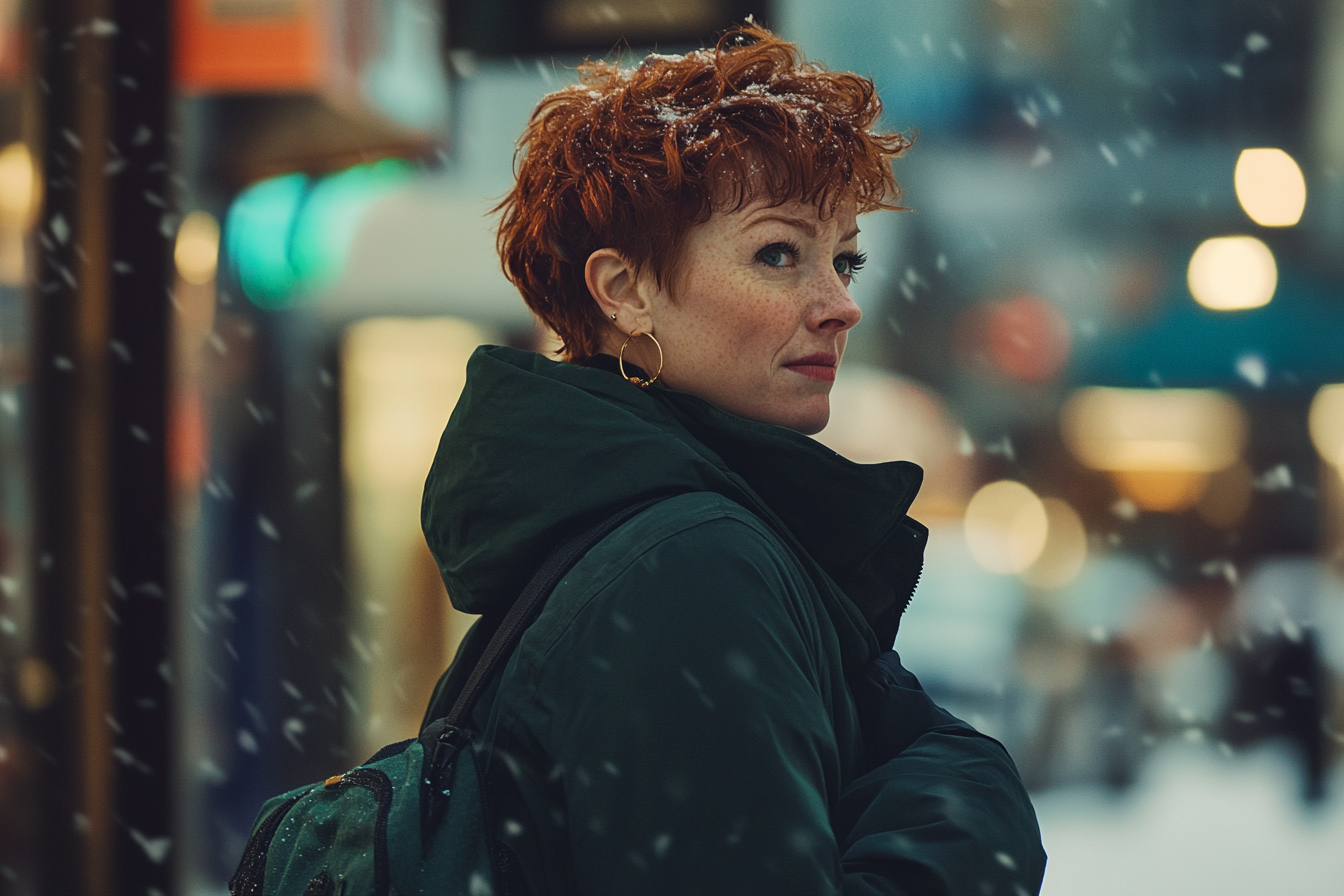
(757, 320)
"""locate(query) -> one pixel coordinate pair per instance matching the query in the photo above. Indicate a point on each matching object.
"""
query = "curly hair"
(631, 159)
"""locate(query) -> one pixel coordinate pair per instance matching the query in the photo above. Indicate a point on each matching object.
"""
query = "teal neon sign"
(287, 238)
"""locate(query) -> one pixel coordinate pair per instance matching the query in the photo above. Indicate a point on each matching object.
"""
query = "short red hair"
(630, 159)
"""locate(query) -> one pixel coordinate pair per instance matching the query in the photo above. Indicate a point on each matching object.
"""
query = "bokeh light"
(1326, 423)
(289, 235)
(1227, 496)
(878, 417)
(1065, 550)
(1270, 187)
(331, 214)
(1232, 273)
(20, 199)
(401, 379)
(35, 683)
(1024, 338)
(1161, 491)
(1028, 339)
(1159, 445)
(1006, 527)
(20, 186)
(257, 235)
(1153, 429)
(196, 252)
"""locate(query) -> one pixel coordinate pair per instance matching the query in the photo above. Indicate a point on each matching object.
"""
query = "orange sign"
(237, 46)
(13, 43)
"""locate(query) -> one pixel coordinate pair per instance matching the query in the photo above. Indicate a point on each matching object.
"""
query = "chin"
(814, 426)
(807, 414)
(808, 419)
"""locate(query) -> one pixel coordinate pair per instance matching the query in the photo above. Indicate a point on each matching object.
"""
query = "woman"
(708, 702)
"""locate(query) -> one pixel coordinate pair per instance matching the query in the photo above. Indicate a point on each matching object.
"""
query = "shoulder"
(679, 517)
(697, 522)
(699, 537)
(694, 567)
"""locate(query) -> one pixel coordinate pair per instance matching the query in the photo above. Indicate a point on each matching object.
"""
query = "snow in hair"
(631, 158)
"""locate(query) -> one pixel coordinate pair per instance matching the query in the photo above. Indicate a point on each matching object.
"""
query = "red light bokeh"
(1024, 338)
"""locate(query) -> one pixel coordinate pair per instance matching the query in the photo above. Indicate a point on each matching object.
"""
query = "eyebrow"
(802, 224)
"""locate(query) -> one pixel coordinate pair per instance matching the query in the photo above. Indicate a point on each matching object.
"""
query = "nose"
(833, 311)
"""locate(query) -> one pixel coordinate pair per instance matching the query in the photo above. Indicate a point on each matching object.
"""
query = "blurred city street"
(1196, 822)
(247, 247)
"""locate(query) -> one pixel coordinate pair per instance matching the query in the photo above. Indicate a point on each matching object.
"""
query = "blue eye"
(778, 255)
(847, 264)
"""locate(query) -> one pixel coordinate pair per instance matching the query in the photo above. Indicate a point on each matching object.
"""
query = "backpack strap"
(528, 604)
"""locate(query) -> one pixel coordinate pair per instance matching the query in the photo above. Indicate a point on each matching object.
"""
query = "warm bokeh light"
(20, 187)
(1006, 527)
(1232, 273)
(878, 417)
(1159, 445)
(1065, 550)
(35, 683)
(1326, 422)
(400, 378)
(1162, 491)
(1028, 339)
(1227, 496)
(1270, 187)
(196, 252)
(1024, 338)
(1198, 430)
(20, 198)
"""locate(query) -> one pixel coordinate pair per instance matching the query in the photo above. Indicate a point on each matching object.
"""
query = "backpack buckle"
(441, 743)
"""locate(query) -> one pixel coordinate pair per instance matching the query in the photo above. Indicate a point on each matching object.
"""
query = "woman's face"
(756, 318)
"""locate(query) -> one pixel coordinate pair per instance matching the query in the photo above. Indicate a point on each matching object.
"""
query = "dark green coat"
(681, 718)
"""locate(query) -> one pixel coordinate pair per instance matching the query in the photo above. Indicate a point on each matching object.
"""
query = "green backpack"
(412, 819)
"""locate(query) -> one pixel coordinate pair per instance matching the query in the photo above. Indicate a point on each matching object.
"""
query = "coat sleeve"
(944, 812)
(690, 724)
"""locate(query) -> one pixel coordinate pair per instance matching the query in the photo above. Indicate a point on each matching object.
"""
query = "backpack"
(412, 819)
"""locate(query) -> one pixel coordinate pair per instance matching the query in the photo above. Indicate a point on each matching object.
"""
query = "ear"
(617, 289)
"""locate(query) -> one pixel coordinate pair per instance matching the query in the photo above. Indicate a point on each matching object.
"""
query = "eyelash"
(854, 260)
(788, 248)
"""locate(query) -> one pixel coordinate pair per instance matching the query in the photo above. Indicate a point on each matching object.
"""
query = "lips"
(819, 366)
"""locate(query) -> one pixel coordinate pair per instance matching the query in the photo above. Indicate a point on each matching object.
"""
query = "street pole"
(104, 601)
(68, 718)
(142, 223)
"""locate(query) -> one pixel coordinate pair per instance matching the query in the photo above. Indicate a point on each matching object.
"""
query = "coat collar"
(537, 448)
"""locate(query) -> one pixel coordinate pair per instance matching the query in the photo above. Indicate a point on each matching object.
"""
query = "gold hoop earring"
(620, 360)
